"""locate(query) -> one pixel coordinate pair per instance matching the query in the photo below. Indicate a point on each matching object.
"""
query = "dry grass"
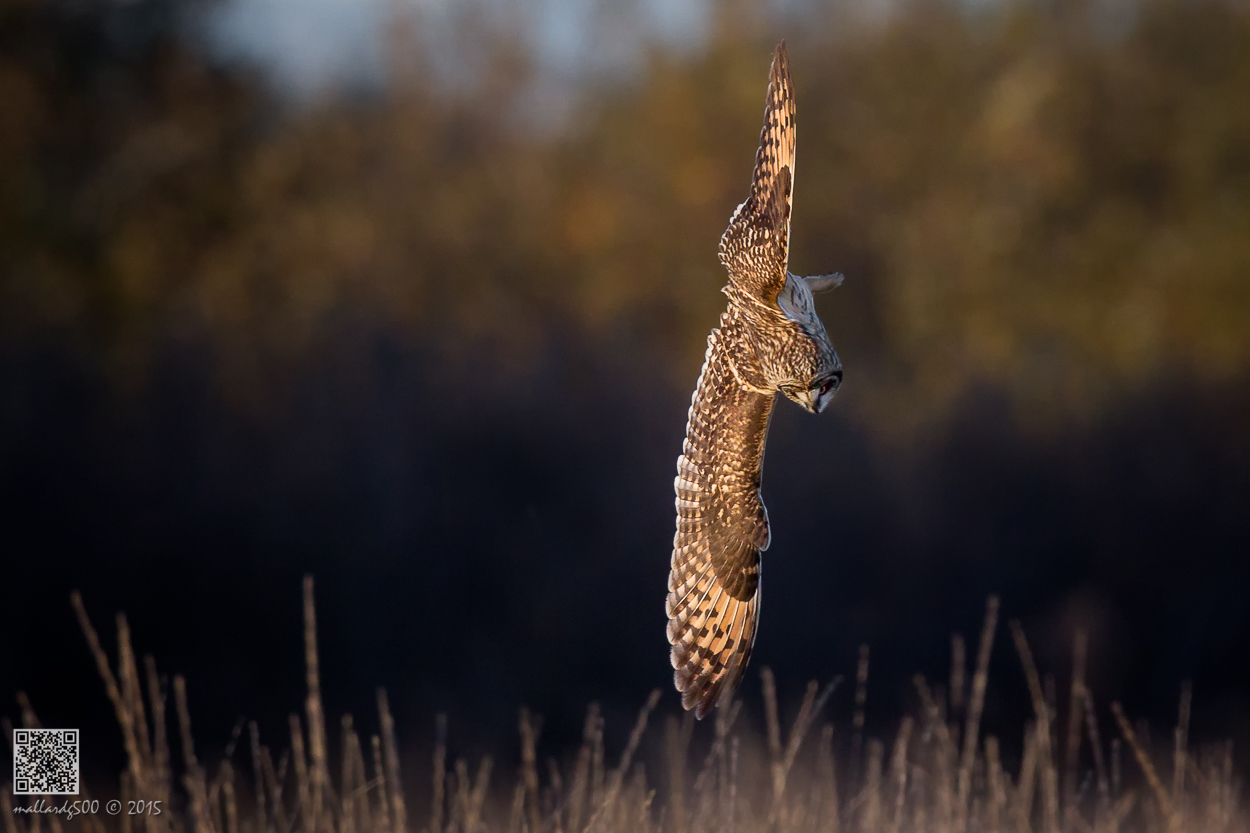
(939, 775)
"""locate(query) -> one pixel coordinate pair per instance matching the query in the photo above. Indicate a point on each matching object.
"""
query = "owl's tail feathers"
(712, 634)
(823, 283)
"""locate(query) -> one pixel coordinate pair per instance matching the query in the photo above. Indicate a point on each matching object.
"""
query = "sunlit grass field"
(938, 772)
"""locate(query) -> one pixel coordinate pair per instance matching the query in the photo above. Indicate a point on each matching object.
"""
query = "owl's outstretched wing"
(755, 247)
(722, 526)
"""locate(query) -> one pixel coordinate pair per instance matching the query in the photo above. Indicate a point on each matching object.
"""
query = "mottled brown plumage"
(769, 340)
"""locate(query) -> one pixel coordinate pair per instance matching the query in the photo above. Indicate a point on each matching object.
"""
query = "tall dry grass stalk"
(318, 770)
(1072, 749)
(938, 775)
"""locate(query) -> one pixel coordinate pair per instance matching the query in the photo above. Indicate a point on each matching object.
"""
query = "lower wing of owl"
(722, 526)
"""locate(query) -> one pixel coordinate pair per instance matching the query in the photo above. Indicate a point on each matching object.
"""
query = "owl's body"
(769, 341)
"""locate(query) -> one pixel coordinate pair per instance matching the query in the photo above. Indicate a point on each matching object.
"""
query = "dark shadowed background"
(428, 331)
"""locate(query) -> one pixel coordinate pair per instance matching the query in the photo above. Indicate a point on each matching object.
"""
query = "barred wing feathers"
(722, 526)
(755, 247)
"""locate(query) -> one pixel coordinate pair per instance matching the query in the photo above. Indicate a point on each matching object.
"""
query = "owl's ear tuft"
(823, 283)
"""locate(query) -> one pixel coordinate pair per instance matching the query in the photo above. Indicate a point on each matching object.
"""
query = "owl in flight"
(769, 340)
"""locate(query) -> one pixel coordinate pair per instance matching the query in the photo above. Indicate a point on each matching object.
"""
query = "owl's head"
(814, 396)
(797, 357)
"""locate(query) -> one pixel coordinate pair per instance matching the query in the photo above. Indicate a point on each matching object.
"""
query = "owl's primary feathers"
(769, 340)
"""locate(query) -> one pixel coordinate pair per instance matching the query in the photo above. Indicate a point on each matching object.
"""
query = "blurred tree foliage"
(1022, 195)
(434, 342)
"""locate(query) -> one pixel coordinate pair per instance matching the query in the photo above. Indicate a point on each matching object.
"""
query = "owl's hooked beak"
(815, 399)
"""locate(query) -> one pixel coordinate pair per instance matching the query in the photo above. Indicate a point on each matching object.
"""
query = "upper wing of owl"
(756, 245)
(713, 583)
